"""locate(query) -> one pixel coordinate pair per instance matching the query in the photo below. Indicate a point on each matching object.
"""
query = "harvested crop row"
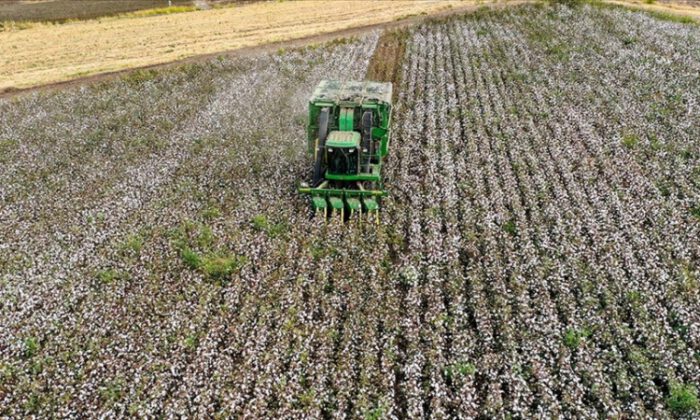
(537, 255)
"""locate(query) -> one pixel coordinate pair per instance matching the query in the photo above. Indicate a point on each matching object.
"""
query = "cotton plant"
(537, 254)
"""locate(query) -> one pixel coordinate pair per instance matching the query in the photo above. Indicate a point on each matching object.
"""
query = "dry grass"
(45, 54)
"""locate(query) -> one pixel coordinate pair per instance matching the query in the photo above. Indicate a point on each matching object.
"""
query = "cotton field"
(538, 255)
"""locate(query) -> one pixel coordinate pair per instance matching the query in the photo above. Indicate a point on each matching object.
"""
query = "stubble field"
(48, 53)
(538, 254)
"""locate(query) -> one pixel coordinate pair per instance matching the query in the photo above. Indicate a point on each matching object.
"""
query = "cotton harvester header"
(348, 136)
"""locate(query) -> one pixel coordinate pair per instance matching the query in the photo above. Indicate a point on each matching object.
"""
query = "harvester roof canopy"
(343, 139)
(351, 91)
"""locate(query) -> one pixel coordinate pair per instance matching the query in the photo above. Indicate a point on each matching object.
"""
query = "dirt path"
(385, 65)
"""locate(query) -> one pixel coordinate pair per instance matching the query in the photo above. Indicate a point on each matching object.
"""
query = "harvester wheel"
(320, 145)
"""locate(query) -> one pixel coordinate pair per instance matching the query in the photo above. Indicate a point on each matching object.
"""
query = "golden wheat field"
(47, 53)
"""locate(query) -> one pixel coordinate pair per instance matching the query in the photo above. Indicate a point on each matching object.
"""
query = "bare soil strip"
(385, 65)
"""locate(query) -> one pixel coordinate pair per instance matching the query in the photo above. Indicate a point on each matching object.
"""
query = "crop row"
(538, 254)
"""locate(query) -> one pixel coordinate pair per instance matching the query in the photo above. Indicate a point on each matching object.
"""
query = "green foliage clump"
(510, 227)
(683, 399)
(459, 369)
(31, 347)
(139, 76)
(630, 140)
(307, 398)
(664, 188)
(695, 211)
(262, 224)
(110, 275)
(211, 212)
(638, 357)
(191, 342)
(376, 413)
(341, 41)
(195, 243)
(133, 244)
(205, 238)
(33, 403)
(573, 337)
(636, 299)
(215, 266)
(112, 392)
(190, 258)
(672, 17)
(219, 267)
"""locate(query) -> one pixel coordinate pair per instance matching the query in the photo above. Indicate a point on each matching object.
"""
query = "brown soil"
(385, 65)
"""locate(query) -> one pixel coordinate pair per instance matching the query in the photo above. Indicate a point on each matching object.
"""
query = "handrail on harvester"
(343, 192)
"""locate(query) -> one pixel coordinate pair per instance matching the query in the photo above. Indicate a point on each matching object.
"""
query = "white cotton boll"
(536, 256)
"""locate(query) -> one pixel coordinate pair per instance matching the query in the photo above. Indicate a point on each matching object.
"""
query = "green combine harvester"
(348, 136)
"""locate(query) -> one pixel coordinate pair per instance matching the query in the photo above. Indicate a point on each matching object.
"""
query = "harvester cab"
(348, 136)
